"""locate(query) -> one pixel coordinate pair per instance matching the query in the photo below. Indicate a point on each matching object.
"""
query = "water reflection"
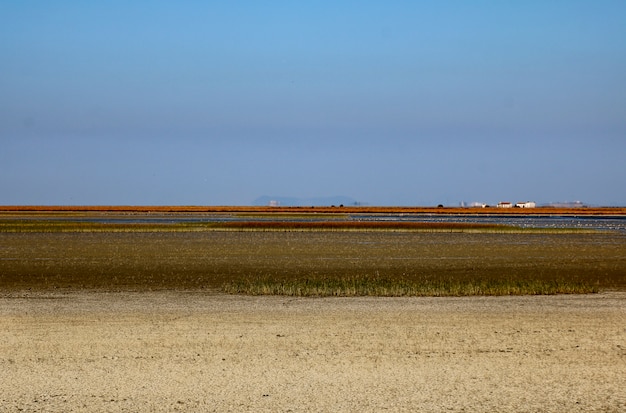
(529, 221)
(609, 223)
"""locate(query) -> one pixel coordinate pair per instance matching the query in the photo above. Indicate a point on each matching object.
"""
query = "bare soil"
(202, 351)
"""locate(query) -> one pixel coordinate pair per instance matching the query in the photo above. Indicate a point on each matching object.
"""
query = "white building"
(505, 205)
(528, 204)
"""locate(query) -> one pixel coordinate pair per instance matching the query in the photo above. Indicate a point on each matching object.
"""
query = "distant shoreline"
(317, 209)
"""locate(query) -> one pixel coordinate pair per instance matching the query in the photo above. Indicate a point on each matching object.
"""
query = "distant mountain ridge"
(266, 200)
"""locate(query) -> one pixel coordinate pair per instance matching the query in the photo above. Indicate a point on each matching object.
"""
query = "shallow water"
(617, 223)
(605, 223)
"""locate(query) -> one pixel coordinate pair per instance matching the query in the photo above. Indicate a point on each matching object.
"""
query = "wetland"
(330, 254)
(101, 313)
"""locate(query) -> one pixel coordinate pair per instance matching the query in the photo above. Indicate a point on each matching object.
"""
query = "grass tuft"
(388, 287)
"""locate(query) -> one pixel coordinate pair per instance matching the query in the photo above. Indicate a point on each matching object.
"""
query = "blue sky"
(389, 103)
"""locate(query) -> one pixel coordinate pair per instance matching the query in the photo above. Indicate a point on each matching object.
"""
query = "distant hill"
(266, 200)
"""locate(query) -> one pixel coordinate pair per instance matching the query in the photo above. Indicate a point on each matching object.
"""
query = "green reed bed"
(52, 226)
(390, 287)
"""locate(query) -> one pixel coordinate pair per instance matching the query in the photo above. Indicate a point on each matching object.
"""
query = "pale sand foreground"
(167, 351)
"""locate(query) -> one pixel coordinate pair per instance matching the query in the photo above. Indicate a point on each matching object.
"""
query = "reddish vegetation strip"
(320, 210)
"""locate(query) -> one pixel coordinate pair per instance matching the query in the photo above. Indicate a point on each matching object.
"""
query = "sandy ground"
(192, 351)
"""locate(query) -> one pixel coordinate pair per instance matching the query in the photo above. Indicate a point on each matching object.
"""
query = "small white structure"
(505, 205)
(528, 204)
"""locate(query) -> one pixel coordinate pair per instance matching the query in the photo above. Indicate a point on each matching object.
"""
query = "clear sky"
(387, 102)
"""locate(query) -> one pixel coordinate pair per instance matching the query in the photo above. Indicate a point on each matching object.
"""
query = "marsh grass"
(308, 260)
(393, 287)
(54, 225)
(65, 225)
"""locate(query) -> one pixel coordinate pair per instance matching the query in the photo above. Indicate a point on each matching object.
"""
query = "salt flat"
(199, 351)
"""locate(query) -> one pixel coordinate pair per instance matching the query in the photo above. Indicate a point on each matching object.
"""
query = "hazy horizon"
(387, 103)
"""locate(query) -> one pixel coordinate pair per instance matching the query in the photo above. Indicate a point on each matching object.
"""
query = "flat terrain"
(206, 260)
(192, 351)
(120, 310)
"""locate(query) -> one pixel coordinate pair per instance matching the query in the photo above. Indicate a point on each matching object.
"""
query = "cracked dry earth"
(194, 351)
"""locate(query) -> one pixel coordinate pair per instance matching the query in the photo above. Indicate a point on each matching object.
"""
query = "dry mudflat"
(198, 351)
